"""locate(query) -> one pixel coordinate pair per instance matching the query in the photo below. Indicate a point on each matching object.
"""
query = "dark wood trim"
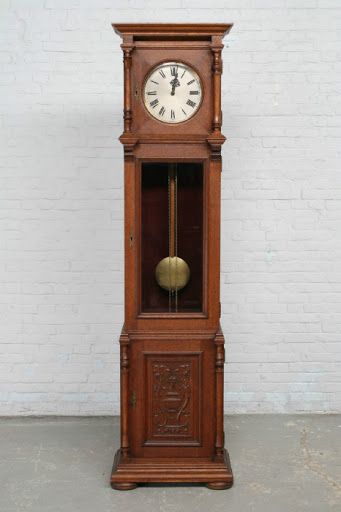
(183, 29)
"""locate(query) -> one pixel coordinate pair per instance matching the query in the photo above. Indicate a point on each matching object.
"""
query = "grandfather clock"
(172, 346)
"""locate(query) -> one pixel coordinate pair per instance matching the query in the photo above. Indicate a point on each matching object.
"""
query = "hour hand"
(174, 83)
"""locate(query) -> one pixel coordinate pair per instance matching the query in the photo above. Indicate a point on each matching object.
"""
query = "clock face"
(172, 92)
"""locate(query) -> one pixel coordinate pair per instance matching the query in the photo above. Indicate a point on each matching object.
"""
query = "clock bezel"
(198, 77)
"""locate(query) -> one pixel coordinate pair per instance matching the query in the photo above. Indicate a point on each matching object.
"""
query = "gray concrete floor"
(280, 464)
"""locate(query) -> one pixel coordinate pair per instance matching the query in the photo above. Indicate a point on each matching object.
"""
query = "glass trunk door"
(172, 222)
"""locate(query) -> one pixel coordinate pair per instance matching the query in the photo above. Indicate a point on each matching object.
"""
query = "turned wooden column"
(127, 48)
(217, 69)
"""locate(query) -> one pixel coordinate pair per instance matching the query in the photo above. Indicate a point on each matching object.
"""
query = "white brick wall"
(61, 215)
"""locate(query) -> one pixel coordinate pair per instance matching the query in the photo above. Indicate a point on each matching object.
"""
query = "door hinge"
(133, 400)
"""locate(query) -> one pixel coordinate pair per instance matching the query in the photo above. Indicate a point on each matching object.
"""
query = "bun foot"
(123, 486)
(219, 486)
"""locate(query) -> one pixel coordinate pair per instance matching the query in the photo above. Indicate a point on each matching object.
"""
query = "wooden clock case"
(172, 363)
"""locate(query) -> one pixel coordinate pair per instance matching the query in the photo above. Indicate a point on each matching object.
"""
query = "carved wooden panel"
(172, 408)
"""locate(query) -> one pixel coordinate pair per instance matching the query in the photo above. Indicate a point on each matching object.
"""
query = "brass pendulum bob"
(172, 273)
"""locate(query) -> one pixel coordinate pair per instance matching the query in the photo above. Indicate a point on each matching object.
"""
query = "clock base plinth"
(126, 474)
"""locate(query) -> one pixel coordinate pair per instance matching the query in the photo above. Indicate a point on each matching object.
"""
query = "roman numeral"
(172, 114)
(157, 83)
(184, 112)
(194, 92)
(162, 73)
(162, 111)
(154, 103)
(152, 93)
(183, 73)
(190, 82)
(174, 70)
(190, 103)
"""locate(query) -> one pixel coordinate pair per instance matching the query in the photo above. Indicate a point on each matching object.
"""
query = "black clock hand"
(174, 83)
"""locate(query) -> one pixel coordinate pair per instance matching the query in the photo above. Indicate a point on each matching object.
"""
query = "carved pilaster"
(124, 360)
(219, 372)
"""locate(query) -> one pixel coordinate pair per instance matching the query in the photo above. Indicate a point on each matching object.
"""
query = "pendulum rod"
(169, 242)
(172, 208)
(176, 233)
(172, 227)
(172, 273)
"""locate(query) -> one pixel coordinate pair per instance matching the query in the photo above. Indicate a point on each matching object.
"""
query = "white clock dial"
(172, 92)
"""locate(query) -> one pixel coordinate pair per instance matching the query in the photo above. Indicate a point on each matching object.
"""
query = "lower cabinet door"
(172, 389)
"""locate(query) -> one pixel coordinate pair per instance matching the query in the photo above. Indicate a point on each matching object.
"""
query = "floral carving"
(171, 398)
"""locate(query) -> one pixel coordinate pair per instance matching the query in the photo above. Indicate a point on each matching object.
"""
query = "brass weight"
(172, 273)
